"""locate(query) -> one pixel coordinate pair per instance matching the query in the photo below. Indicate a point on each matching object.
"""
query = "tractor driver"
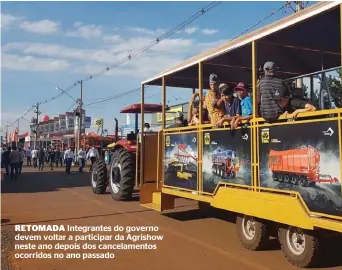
(179, 121)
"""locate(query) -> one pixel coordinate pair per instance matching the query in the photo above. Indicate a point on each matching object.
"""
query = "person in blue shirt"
(230, 104)
(246, 105)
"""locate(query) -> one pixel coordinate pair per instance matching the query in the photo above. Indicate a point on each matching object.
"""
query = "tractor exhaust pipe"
(116, 129)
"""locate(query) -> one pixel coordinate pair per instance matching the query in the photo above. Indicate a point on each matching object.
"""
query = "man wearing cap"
(246, 105)
(179, 121)
(230, 104)
(215, 113)
(272, 94)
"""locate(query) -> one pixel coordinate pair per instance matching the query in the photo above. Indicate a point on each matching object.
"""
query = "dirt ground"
(192, 239)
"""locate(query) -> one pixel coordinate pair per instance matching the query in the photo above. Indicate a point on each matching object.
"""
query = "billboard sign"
(87, 122)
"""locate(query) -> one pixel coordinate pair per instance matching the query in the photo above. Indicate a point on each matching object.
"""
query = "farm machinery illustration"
(123, 172)
(298, 166)
(184, 165)
(225, 163)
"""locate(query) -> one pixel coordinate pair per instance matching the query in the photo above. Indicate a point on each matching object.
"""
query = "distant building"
(58, 131)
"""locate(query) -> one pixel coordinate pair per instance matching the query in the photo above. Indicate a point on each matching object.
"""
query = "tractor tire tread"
(127, 162)
(101, 183)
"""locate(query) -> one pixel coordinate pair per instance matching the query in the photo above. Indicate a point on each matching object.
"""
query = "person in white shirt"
(28, 157)
(81, 158)
(34, 154)
(69, 157)
(93, 154)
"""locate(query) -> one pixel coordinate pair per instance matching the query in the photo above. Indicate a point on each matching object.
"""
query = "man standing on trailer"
(246, 105)
(272, 95)
(93, 154)
(227, 101)
(215, 113)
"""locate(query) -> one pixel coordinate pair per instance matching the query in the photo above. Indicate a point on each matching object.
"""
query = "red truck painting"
(225, 164)
(298, 166)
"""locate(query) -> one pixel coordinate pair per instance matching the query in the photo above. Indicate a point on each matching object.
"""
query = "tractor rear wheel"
(99, 177)
(122, 174)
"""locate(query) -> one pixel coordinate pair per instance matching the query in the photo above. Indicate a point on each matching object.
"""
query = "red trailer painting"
(298, 166)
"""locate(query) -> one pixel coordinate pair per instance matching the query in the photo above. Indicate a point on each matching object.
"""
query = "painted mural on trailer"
(305, 158)
(226, 158)
(181, 160)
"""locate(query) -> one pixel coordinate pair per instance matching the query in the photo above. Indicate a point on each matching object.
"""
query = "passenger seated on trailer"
(179, 121)
(230, 104)
(246, 105)
(299, 104)
(214, 112)
(273, 95)
(193, 116)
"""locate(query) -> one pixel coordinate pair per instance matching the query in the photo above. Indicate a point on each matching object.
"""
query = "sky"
(45, 45)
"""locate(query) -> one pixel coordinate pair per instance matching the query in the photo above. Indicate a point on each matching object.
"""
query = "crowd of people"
(228, 104)
(12, 159)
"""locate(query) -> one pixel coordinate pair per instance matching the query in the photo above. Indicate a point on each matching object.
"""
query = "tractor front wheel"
(99, 177)
(122, 174)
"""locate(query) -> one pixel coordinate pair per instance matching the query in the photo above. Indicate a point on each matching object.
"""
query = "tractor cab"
(123, 173)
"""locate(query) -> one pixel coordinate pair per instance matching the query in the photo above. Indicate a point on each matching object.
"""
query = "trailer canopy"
(296, 50)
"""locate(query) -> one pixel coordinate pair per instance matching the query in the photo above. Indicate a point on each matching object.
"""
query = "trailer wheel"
(280, 177)
(122, 174)
(300, 248)
(222, 173)
(286, 178)
(304, 181)
(275, 177)
(252, 233)
(294, 179)
(99, 177)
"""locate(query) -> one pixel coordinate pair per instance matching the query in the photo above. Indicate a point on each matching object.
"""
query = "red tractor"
(122, 171)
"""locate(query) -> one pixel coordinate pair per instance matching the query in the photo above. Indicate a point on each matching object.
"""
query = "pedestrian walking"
(15, 157)
(93, 154)
(34, 154)
(58, 157)
(6, 160)
(61, 159)
(41, 159)
(52, 158)
(69, 156)
(81, 159)
(28, 157)
(21, 161)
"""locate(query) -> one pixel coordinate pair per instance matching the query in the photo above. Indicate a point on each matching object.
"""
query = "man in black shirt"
(6, 160)
(299, 104)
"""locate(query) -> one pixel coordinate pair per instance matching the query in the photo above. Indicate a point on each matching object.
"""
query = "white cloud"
(109, 55)
(40, 27)
(146, 31)
(209, 31)
(85, 31)
(112, 38)
(30, 63)
(8, 20)
(190, 30)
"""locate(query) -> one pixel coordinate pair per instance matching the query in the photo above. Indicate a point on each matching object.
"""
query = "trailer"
(299, 218)
(298, 166)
